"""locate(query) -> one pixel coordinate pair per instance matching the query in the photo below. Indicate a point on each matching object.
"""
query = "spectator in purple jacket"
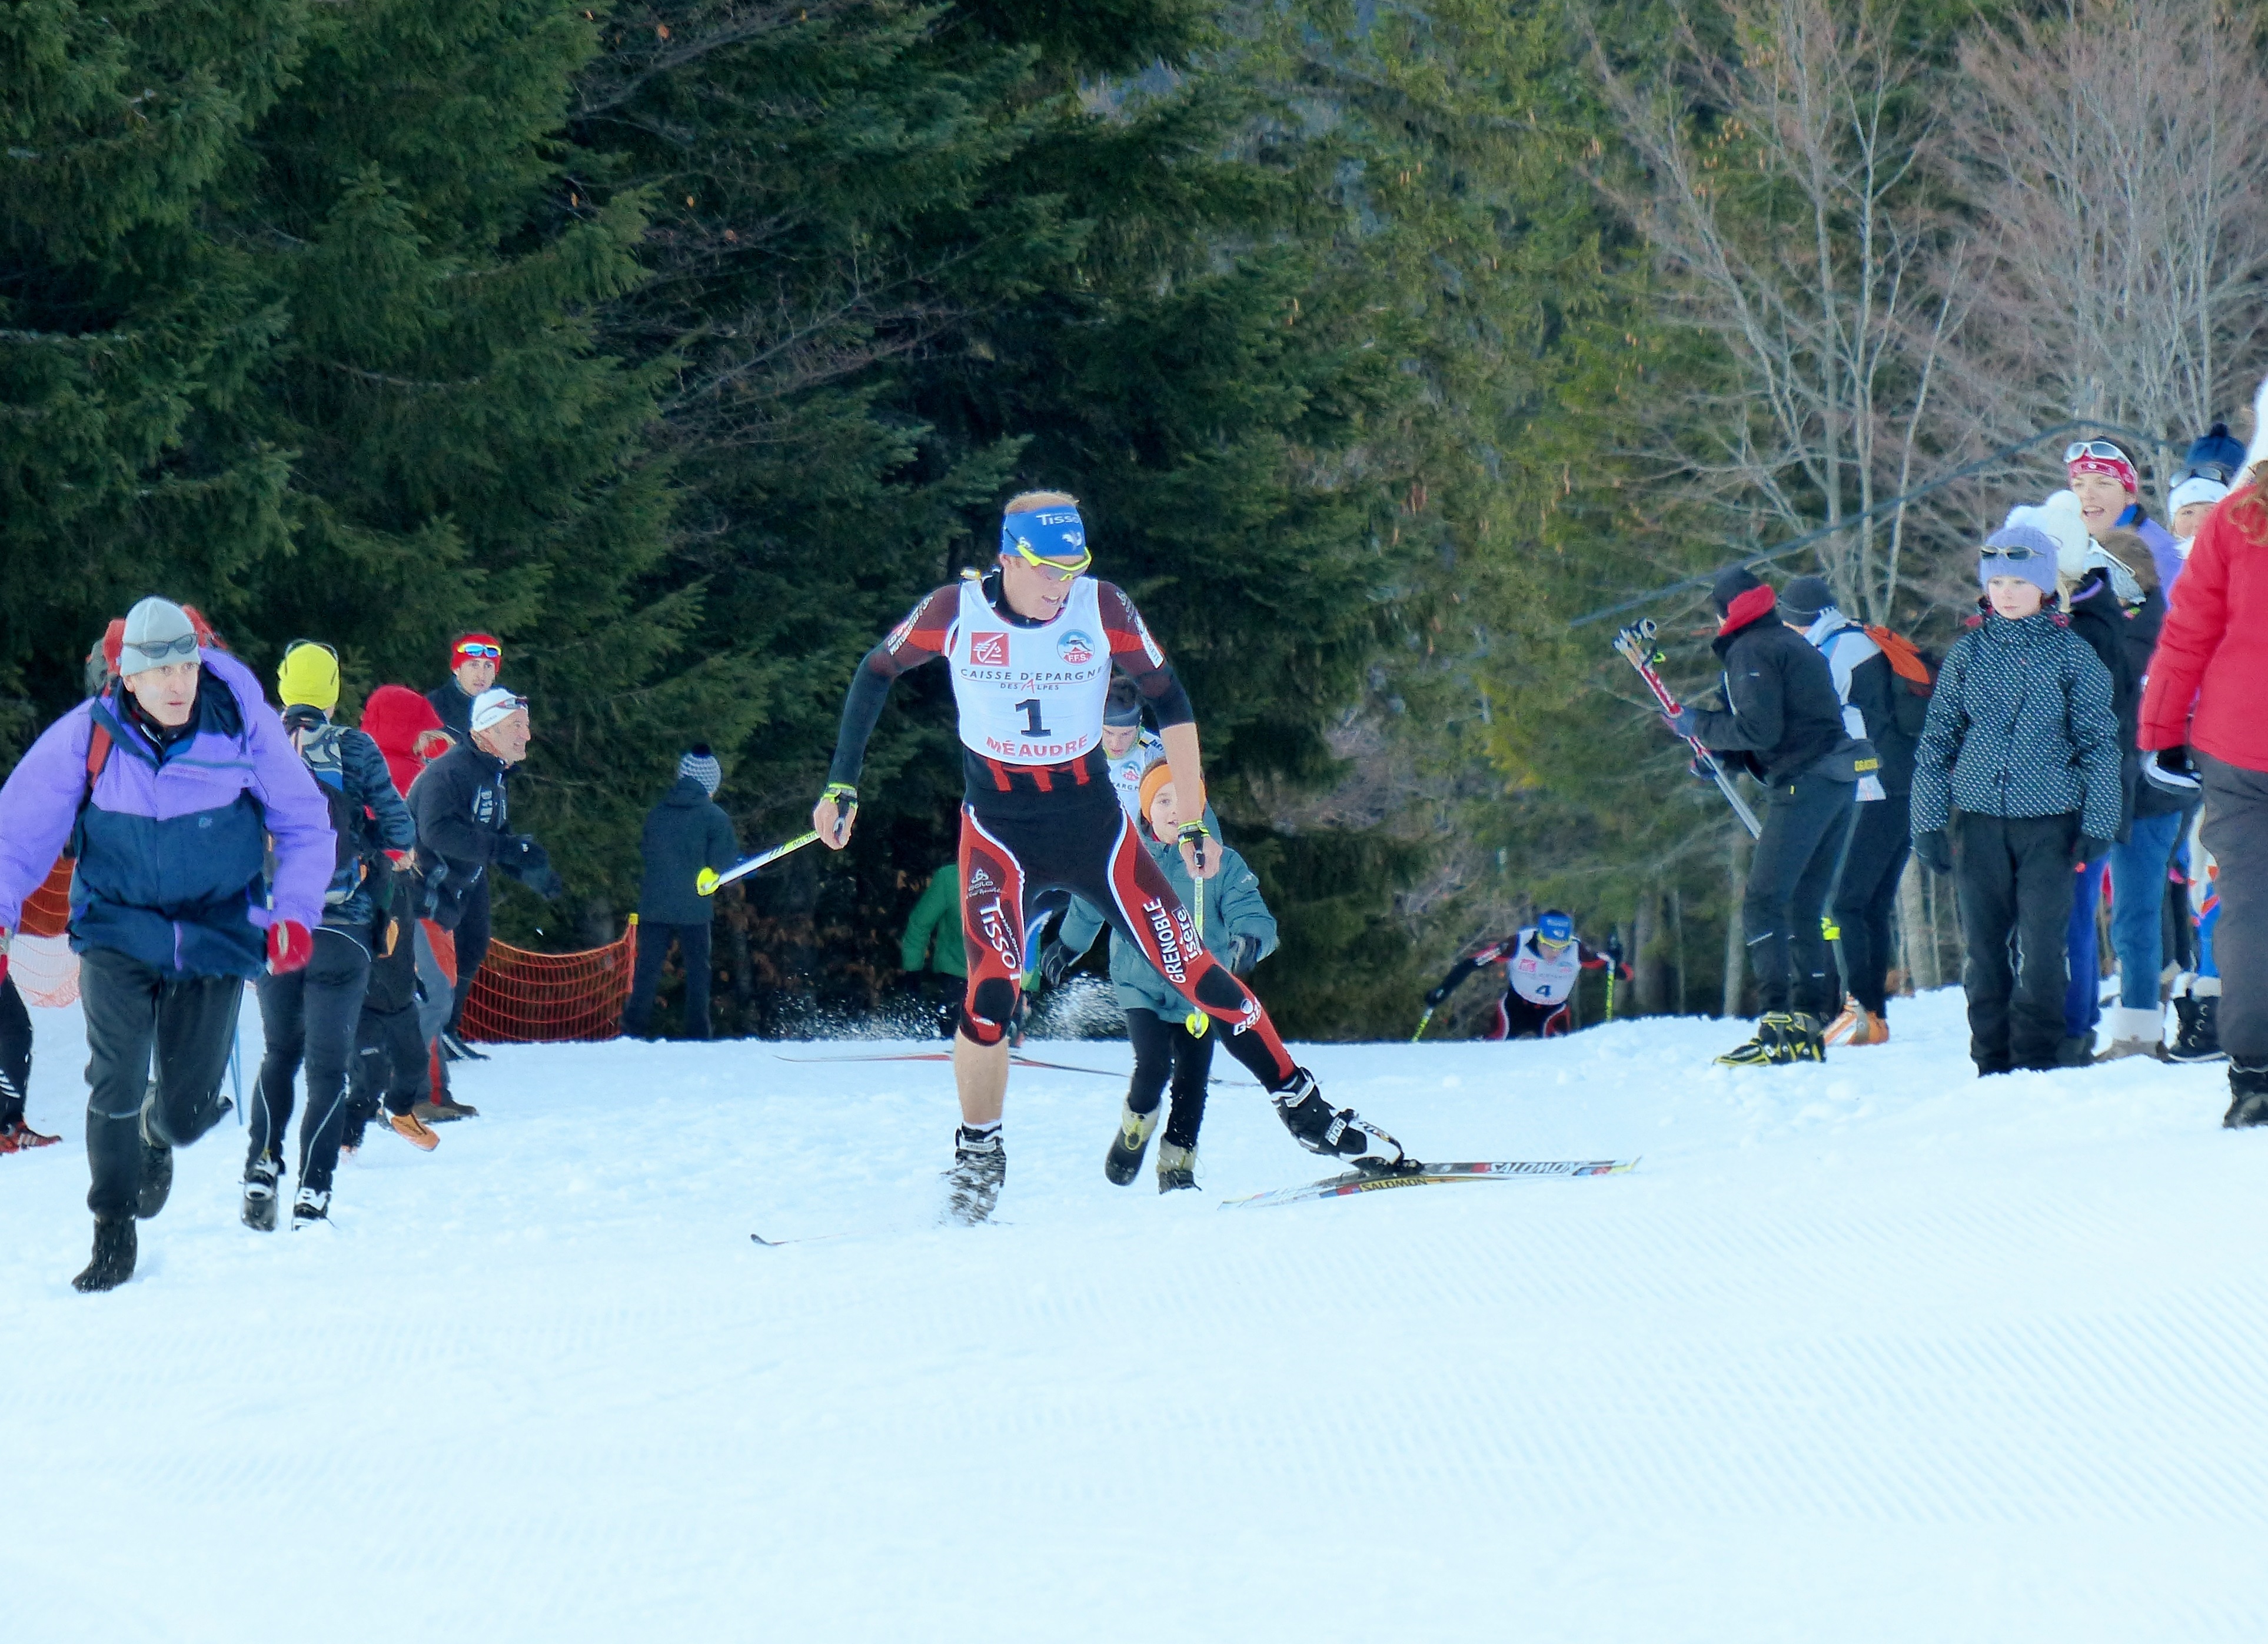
(2104, 479)
(171, 783)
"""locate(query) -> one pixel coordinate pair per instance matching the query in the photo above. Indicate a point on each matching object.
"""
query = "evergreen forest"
(685, 345)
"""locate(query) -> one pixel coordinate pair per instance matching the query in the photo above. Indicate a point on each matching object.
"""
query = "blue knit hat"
(2037, 566)
(702, 766)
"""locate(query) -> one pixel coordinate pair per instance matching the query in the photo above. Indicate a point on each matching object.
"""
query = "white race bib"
(1541, 980)
(1030, 695)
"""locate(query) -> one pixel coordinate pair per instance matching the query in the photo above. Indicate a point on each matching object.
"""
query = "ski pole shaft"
(1422, 1021)
(710, 881)
(1197, 1022)
(1633, 642)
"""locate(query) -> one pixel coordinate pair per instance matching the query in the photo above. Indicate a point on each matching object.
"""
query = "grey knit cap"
(155, 629)
(702, 766)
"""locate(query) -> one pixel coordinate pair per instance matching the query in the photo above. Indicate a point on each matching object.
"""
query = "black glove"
(2084, 850)
(521, 857)
(1243, 954)
(546, 884)
(1613, 949)
(1433, 1000)
(2172, 771)
(429, 901)
(1698, 770)
(1056, 961)
(1933, 851)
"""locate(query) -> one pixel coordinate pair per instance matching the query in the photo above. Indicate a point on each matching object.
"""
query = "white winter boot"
(2134, 1033)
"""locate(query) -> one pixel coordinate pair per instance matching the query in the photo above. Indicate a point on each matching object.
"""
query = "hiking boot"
(1123, 1163)
(2200, 1038)
(980, 1169)
(1337, 1134)
(1177, 1167)
(310, 1208)
(414, 1131)
(1771, 1047)
(17, 1136)
(454, 1048)
(157, 1170)
(114, 1256)
(2134, 1033)
(259, 1193)
(2075, 1049)
(2248, 1098)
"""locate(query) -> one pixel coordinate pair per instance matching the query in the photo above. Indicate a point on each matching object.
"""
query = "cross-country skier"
(1031, 646)
(1543, 964)
(1237, 921)
(474, 661)
(177, 782)
(310, 1014)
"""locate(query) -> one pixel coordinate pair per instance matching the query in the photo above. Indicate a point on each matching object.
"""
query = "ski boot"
(259, 1193)
(1177, 1167)
(1123, 1163)
(980, 1166)
(414, 1131)
(17, 1136)
(2200, 1038)
(1338, 1135)
(114, 1256)
(2134, 1033)
(156, 1168)
(1773, 1046)
(1850, 1027)
(1803, 1037)
(310, 1208)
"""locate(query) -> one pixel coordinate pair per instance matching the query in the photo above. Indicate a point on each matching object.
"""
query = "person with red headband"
(2104, 480)
(474, 661)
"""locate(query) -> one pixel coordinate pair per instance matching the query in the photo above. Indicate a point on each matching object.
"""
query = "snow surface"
(1871, 1351)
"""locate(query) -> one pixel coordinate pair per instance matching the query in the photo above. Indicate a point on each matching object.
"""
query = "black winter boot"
(2200, 1038)
(157, 1170)
(113, 1256)
(2248, 1098)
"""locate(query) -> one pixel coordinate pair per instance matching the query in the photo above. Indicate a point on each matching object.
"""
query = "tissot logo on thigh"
(988, 650)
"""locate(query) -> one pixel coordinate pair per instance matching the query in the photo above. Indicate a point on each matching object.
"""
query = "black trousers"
(1789, 877)
(15, 1052)
(1163, 1049)
(131, 1009)
(1866, 895)
(309, 1014)
(2236, 832)
(472, 934)
(653, 948)
(389, 1064)
(2016, 883)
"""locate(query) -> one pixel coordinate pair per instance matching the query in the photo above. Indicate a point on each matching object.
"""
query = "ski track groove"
(1872, 1351)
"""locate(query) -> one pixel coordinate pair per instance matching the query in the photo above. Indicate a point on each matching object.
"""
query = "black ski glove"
(1433, 1000)
(1243, 954)
(1056, 961)
(1933, 851)
(2172, 771)
(2084, 850)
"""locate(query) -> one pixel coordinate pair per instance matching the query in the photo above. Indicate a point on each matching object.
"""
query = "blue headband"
(1056, 533)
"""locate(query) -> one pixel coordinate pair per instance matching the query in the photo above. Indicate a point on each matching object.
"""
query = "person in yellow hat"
(311, 1014)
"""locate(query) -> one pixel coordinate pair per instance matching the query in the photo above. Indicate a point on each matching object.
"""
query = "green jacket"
(1232, 907)
(936, 917)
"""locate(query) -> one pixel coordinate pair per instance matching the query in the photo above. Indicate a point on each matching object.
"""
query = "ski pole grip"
(704, 882)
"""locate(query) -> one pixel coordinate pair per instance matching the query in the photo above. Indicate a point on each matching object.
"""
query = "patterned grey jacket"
(2019, 725)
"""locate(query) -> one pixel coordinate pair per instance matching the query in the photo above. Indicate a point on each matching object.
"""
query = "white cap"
(155, 629)
(2197, 487)
(493, 705)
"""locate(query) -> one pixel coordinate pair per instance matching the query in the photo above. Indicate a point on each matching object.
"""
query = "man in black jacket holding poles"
(1783, 720)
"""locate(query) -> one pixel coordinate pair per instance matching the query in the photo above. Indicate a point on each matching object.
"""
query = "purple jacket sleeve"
(298, 818)
(2167, 557)
(37, 809)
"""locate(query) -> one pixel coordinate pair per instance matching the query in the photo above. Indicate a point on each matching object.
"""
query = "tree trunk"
(1917, 935)
(1648, 966)
(1736, 946)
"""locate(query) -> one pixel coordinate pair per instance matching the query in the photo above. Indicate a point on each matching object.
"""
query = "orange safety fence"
(523, 998)
(46, 911)
(40, 956)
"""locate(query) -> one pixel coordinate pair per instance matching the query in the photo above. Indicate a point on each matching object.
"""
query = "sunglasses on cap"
(2017, 554)
(159, 651)
(2219, 473)
(1053, 570)
(2101, 448)
(495, 651)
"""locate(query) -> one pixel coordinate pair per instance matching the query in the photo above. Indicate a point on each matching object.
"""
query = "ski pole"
(709, 882)
(1197, 1021)
(1635, 643)
(236, 1061)
(1422, 1021)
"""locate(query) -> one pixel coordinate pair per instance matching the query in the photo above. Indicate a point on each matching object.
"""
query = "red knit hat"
(457, 652)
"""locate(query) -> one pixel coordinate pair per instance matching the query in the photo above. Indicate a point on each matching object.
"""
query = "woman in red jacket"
(2201, 715)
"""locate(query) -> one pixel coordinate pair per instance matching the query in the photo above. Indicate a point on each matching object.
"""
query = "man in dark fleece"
(1783, 721)
(686, 832)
